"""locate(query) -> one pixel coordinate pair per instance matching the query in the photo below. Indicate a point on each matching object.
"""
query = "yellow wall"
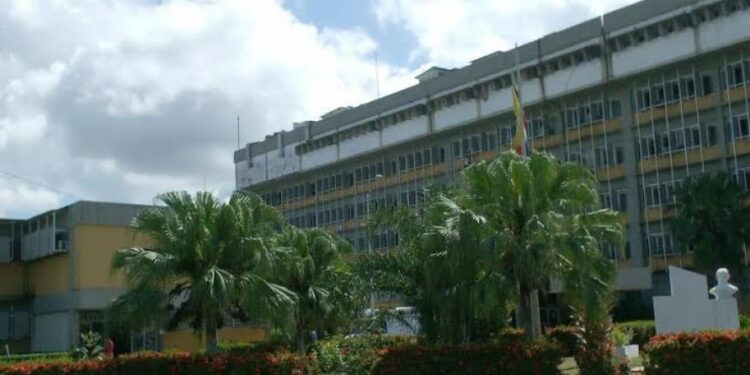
(12, 280)
(94, 246)
(187, 341)
(49, 275)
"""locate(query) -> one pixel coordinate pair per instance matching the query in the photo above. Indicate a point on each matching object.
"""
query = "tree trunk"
(300, 338)
(211, 329)
(527, 314)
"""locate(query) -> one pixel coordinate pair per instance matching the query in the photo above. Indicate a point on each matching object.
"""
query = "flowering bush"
(353, 356)
(699, 353)
(539, 358)
(180, 363)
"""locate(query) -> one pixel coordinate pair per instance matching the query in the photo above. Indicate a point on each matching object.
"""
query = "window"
(465, 147)
(621, 201)
(692, 137)
(506, 134)
(418, 160)
(647, 147)
(456, 149)
(740, 126)
(379, 169)
(606, 200)
(427, 157)
(706, 85)
(492, 138)
(574, 157)
(743, 178)
(475, 143)
(658, 96)
(614, 109)
(618, 155)
(673, 91)
(402, 163)
(571, 118)
(660, 243)
(410, 161)
(597, 111)
(653, 198)
(643, 99)
(601, 156)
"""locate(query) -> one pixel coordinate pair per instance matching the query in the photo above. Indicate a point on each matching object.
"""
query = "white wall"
(357, 145)
(319, 157)
(654, 52)
(724, 31)
(498, 101)
(447, 117)
(531, 91)
(279, 166)
(573, 78)
(39, 242)
(51, 333)
(402, 131)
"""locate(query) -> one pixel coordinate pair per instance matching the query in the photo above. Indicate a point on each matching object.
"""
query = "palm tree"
(529, 204)
(312, 267)
(208, 260)
(440, 267)
(711, 222)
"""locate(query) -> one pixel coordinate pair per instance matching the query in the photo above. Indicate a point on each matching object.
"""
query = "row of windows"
(388, 239)
(418, 159)
(599, 157)
(660, 243)
(735, 74)
(587, 114)
(660, 194)
(671, 91)
(474, 144)
(675, 140)
(617, 200)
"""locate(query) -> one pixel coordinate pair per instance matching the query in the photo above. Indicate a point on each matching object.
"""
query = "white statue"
(723, 289)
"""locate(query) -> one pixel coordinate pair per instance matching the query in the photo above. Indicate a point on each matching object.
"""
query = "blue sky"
(120, 100)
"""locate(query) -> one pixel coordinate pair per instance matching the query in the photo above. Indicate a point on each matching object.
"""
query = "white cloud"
(122, 99)
(453, 32)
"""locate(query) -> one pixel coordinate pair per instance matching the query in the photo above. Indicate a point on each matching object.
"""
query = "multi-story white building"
(644, 96)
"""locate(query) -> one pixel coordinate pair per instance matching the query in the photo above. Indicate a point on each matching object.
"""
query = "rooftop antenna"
(238, 132)
(377, 77)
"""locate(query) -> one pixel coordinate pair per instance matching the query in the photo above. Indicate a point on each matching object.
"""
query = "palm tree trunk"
(300, 338)
(211, 333)
(527, 314)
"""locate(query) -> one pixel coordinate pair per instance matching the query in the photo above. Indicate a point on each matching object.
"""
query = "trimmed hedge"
(541, 358)
(699, 353)
(36, 357)
(181, 363)
(642, 330)
(565, 337)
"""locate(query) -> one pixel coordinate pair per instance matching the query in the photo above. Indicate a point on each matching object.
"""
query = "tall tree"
(711, 222)
(208, 260)
(313, 268)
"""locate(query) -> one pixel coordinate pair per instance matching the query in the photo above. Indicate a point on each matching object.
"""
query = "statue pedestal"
(689, 309)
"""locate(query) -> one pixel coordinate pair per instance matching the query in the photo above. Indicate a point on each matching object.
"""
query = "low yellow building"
(56, 281)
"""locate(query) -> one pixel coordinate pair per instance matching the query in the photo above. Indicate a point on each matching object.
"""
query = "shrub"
(565, 337)
(699, 353)
(183, 363)
(353, 356)
(642, 330)
(36, 357)
(621, 336)
(744, 322)
(511, 358)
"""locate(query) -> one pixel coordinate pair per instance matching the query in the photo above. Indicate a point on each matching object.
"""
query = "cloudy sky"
(119, 100)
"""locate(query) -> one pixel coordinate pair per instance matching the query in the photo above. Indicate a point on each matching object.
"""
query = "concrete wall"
(49, 275)
(11, 280)
(279, 165)
(497, 101)
(575, 78)
(52, 332)
(416, 127)
(724, 31)
(357, 145)
(456, 114)
(94, 247)
(319, 157)
(652, 53)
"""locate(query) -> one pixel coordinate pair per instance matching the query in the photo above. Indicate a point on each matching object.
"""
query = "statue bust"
(723, 289)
